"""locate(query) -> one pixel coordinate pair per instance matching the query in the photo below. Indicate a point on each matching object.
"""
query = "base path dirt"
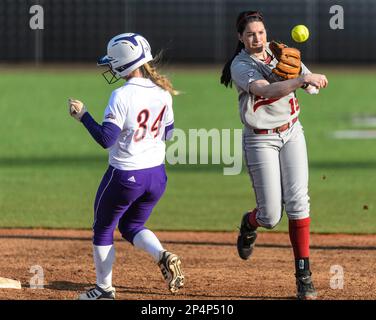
(343, 266)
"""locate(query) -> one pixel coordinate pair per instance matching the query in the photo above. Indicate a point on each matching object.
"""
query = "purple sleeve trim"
(105, 134)
(169, 130)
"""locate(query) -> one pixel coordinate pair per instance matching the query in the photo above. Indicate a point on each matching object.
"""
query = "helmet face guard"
(110, 76)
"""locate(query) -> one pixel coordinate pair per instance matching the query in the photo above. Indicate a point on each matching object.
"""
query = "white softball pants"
(278, 167)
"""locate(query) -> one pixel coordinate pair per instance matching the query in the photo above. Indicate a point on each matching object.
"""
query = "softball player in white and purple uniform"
(273, 142)
(137, 121)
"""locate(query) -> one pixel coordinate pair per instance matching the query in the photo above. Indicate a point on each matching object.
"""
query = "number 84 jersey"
(143, 112)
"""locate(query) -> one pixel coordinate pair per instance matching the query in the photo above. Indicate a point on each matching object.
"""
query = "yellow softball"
(300, 33)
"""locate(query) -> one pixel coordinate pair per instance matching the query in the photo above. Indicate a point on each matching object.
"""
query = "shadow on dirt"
(67, 286)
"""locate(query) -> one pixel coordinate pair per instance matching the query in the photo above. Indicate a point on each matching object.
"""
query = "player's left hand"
(76, 108)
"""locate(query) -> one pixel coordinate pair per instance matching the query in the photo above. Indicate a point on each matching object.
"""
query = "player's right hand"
(317, 80)
(76, 108)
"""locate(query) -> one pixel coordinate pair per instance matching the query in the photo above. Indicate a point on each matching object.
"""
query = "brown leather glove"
(289, 60)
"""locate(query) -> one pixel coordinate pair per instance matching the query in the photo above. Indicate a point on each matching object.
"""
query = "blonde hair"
(162, 81)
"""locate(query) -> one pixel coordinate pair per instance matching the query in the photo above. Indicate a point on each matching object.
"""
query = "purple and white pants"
(126, 199)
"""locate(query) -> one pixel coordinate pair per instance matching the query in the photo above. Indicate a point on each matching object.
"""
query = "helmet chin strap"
(110, 76)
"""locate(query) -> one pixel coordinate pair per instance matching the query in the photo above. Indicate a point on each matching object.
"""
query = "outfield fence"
(187, 30)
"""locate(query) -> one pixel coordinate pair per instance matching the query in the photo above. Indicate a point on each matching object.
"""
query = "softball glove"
(289, 60)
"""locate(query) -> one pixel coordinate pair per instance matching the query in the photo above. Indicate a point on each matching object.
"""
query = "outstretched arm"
(279, 89)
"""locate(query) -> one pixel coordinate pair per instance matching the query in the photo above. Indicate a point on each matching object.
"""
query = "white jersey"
(142, 110)
(258, 112)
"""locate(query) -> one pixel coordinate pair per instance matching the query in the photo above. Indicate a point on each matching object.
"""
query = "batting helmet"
(125, 53)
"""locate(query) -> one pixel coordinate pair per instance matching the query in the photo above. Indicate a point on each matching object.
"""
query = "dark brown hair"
(241, 22)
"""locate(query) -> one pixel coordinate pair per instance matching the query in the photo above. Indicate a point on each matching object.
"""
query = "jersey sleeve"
(243, 74)
(106, 134)
(305, 70)
(115, 111)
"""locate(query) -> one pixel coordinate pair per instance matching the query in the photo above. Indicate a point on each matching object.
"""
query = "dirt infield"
(210, 262)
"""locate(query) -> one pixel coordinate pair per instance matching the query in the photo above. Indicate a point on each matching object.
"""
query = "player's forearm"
(105, 135)
(279, 89)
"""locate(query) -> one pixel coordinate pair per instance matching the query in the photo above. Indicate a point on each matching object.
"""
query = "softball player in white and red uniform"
(137, 121)
(273, 143)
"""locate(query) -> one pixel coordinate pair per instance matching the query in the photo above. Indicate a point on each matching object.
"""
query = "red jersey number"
(142, 120)
(157, 123)
(294, 105)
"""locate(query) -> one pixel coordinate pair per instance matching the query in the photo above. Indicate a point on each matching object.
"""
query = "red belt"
(282, 128)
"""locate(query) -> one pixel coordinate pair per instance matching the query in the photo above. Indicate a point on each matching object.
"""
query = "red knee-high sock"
(252, 219)
(299, 237)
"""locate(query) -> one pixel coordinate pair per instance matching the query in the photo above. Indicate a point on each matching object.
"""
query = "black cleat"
(305, 288)
(246, 239)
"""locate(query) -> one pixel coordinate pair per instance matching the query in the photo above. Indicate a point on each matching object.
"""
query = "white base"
(6, 283)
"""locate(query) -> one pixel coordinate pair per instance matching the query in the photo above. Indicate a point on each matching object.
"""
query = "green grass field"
(50, 167)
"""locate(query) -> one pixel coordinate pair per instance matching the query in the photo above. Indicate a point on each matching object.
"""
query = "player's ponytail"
(226, 72)
(243, 19)
(162, 81)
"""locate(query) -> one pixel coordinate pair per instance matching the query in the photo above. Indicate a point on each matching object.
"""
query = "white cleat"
(170, 266)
